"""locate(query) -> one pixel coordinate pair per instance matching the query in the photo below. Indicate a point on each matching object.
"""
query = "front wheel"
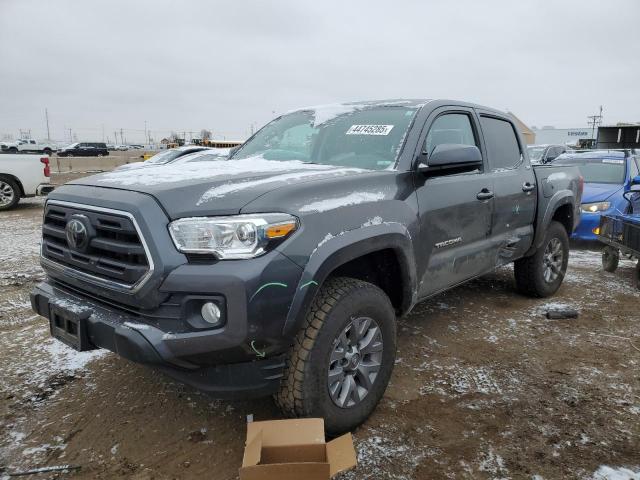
(541, 274)
(342, 358)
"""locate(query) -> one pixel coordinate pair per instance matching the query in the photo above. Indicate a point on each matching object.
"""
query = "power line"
(595, 121)
(46, 116)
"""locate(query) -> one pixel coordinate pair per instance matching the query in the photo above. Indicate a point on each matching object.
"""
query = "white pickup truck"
(22, 176)
(29, 146)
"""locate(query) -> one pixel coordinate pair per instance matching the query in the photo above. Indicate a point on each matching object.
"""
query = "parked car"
(545, 153)
(22, 175)
(122, 148)
(607, 175)
(84, 149)
(164, 157)
(283, 269)
(29, 146)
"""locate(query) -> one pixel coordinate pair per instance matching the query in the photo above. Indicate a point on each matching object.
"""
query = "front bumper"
(124, 334)
(588, 222)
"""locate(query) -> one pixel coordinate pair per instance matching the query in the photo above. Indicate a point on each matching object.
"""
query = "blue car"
(607, 175)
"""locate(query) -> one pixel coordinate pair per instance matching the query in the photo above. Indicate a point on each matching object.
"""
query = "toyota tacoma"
(282, 270)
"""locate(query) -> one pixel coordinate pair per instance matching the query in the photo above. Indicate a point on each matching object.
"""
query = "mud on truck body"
(282, 270)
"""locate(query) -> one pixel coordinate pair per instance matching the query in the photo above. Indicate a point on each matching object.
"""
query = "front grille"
(114, 251)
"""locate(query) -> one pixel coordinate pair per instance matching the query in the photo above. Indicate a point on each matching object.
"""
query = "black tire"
(610, 258)
(530, 272)
(48, 151)
(13, 149)
(304, 391)
(637, 275)
(8, 188)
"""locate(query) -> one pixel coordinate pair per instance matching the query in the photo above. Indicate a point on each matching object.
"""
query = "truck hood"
(599, 192)
(220, 187)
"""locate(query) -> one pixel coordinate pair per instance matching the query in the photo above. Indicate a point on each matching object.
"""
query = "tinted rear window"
(502, 144)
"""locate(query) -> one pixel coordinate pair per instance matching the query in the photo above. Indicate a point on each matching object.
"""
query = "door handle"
(528, 186)
(484, 194)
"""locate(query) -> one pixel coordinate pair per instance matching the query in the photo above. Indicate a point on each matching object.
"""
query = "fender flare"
(348, 246)
(561, 198)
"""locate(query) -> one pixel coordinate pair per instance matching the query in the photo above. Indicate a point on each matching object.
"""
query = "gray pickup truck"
(282, 269)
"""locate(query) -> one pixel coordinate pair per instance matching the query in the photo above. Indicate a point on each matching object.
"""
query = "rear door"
(455, 209)
(515, 189)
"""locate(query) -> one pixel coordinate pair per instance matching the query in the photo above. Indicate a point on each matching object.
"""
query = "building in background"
(528, 134)
(579, 136)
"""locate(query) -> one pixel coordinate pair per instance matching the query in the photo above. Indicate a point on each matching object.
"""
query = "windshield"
(165, 157)
(342, 135)
(535, 153)
(73, 145)
(597, 170)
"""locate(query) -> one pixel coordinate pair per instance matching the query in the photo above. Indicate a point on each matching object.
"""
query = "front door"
(455, 209)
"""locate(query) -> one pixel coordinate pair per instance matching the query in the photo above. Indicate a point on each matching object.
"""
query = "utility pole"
(595, 121)
(70, 136)
(103, 132)
(121, 137)
(145, 132)
(46, 116)
(115, 136)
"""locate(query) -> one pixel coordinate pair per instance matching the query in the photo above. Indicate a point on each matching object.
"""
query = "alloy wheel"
(355, 361)
(6, 194)
(552, 260)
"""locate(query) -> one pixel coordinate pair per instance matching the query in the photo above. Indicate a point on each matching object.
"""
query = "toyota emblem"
(77, 234)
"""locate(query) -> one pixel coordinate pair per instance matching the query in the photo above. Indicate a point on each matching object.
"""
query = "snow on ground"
(619, 473)
(20, 239)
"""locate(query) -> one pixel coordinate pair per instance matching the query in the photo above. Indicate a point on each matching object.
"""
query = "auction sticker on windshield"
(369, 130)
(613, 160)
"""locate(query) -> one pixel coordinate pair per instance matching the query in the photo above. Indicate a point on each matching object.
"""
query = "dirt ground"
(484, 387)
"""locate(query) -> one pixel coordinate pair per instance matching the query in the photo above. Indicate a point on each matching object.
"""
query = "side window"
(501, 141)
(450, 128)
(633, 165)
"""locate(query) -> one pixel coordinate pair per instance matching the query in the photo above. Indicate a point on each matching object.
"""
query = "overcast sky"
(224, 65)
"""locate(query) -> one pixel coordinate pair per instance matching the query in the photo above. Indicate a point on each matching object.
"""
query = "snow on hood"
(599, 192)
(220, 187)
(171, 174)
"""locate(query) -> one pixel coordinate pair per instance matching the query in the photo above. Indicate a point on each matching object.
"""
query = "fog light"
(211, 313)
(596, 230)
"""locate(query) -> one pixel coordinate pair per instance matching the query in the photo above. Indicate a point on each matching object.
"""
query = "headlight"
(595, 207)
(234, 237)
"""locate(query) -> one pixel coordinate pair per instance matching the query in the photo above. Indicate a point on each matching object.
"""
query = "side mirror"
(551, 158)
(450, 156)
(635, 180)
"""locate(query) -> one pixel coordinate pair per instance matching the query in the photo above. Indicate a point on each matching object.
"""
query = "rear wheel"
(541, 274)
(637, 274)
(610, 258)
(48, 151)
(343, 356)
(9, 193)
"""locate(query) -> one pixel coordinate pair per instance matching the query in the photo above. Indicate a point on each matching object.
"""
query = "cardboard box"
(294, 450)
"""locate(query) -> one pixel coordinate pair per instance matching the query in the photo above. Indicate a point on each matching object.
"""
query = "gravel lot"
(484, 387)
